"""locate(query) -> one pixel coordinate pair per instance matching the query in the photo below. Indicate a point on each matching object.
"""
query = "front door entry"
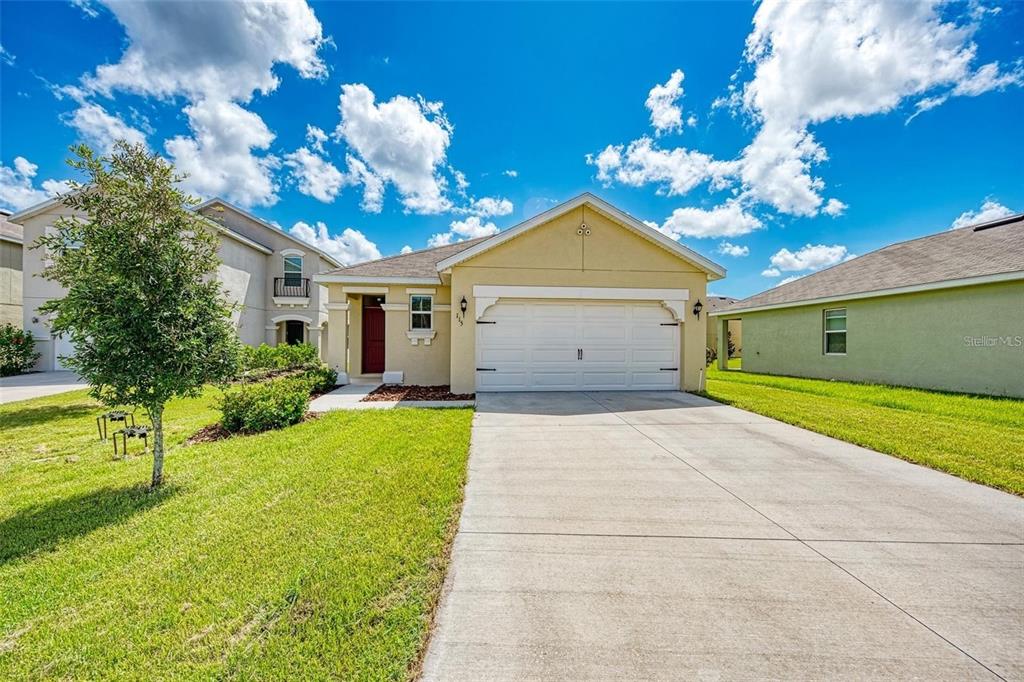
(373, 335)
(294, 332)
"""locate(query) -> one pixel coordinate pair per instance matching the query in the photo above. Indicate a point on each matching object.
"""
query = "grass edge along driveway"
(314, 551)
(977, 438)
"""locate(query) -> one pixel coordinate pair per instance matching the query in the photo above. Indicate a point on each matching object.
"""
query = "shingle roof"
(719, 302)
(416, 264)
(991, 248)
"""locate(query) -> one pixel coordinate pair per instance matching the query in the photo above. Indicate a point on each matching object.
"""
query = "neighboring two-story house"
(10, 271)
(266, 271)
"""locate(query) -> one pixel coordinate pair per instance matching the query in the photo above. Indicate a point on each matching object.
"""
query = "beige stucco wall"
(968, 339)
(555, 255)
(422, 364)
(10, 283)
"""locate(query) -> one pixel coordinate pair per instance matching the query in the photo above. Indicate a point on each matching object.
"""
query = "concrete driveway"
(37, 384)
(662, 535)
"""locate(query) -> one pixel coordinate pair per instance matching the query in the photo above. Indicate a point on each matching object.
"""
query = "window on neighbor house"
(835, 331)
(421, 310)
(293, 271)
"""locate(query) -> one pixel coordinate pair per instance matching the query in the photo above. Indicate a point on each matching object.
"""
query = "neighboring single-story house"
(264, 270)
(10, 271)
(735, 328)
(942, 312)
(580, 297)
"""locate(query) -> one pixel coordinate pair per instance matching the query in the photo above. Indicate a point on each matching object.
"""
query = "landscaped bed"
(312, 551)
(977, 438)
(391, 392)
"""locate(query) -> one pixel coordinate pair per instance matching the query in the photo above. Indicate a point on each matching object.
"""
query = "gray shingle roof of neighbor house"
(719, 302)
(418, 264)
(966, 255)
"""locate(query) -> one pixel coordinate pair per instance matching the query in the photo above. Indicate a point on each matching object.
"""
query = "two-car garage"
(573, 344)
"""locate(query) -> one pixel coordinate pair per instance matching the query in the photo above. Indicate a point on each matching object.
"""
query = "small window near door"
(294, 332)
(835, 331)
(293, 271)
(422, 310)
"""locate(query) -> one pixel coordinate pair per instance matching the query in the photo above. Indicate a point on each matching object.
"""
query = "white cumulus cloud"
(990, 210)
(351, 246)
(770, 272)
(100, 129)
(727, 220)
(809, 257)
(461, 230)
(17, 190)
(316, 176)
(491, 206)
(735, 250)
(401, 141)
(666, 115)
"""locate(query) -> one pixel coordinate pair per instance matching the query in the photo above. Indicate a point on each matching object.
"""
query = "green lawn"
(977, 438)
(316, 551)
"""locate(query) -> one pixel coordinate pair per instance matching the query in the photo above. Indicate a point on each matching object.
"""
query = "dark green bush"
(280, 357)
(274, 404)
(17, 350)
(321, 378)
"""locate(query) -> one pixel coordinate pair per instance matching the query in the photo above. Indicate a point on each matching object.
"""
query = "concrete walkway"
(665, 536)
(37, 384)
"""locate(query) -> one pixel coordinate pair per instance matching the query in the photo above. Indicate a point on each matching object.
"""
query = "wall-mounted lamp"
(697, 307)
(463, 305)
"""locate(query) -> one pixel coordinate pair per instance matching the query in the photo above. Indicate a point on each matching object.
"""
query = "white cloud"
(511, 172)
(727, 220)
(990, 210)
(461, 230)
(807, 63)
(373, 185)
(216, 55)
(735, 250)
(16, 185)
(461, 183)
(221, 49)
(406, 249)
(666, 115)
(834, 208)
(316, 138)
(6, 57)
(219, 156)
(351, 246)
(809, 257)
(401, 141)
(675, 171)
(316, 176)
(491, 206)
(770, 272)
(100, 129)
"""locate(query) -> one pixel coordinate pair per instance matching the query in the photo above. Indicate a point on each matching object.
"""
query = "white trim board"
(591, 293)
(912, 289)
(714, 270)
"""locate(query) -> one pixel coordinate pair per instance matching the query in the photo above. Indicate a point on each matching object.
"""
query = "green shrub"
(274, 404)
(281, 357)
(17, 351)
(321, 378)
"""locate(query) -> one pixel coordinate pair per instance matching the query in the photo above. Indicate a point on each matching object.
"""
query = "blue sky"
(774, 138)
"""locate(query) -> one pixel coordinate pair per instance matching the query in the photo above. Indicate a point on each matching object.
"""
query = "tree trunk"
(157, 415)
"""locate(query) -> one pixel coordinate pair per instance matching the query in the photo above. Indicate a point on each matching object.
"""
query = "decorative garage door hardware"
(669, 369)
(669, 324)
(486, 369)
(485, 322)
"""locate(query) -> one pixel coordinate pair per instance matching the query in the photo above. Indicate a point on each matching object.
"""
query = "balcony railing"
(291, 287)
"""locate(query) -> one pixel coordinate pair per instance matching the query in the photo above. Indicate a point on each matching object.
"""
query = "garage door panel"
(535, 346)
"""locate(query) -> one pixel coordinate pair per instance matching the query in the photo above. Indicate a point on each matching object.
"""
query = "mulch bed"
(389, 392)
(215, 432)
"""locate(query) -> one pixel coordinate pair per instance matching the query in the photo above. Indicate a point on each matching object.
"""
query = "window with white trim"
(293, 271)
(421, 312)
(835, 331)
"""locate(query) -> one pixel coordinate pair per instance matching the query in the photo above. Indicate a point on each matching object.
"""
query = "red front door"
(373, 335)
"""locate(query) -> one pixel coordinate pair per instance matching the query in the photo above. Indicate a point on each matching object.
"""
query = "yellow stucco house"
(580, 297)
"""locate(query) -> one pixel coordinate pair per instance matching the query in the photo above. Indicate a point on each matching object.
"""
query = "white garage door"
(566, 345)
(62, 346)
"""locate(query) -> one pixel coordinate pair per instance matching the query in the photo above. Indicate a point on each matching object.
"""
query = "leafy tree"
(143, 307)
(730, 344)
